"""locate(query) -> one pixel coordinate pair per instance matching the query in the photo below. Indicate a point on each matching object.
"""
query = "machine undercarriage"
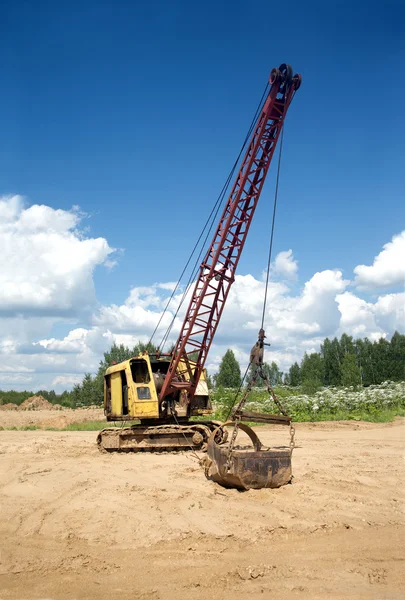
(192, 435)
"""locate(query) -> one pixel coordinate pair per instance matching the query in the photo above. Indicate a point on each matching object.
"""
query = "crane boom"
(217, 271)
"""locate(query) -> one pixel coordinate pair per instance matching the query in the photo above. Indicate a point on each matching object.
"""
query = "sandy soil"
(76, 523)
(49, 418)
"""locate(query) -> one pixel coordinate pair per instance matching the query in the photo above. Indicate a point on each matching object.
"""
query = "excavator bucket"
(247, 468)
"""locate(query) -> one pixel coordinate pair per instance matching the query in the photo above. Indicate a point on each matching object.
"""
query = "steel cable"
(212, 217)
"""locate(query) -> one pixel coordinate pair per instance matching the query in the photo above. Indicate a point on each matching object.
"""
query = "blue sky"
(135, 112)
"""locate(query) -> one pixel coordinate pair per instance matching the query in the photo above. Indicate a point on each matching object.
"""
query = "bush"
(311, 386)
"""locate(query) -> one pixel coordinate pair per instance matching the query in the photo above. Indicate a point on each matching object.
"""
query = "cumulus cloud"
(140, 312)
(388, 268)
(55, 281)
(390, 312)
(285, 265)
(47, 262)
(294, 324)
(76, 342)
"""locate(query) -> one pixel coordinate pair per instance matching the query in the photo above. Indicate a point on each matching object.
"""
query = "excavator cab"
(131, 393)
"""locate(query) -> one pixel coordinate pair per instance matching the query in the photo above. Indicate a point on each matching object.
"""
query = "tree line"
(91, 389)
(340, 362)
(15, 397)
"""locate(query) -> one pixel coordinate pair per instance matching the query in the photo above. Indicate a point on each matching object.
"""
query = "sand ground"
(78, 524)
(57, 419)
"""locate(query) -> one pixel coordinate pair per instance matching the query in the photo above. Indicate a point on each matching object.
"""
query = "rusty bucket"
(247, 468)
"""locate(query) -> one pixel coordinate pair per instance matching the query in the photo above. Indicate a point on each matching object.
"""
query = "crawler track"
(159, 438)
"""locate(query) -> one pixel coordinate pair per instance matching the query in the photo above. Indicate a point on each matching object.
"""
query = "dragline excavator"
(163, 392)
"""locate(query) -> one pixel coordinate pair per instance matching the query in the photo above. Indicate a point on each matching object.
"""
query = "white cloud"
(10, 368)
(13, 379)
(76, 342)
(169, 285)
(373, 320)
(140, 312)
(55, 281)
(67, 380)
(47, 263)
(285, 265)
(388, 268)
(390, 312)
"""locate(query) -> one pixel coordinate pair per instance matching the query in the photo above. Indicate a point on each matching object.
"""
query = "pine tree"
(229, 371)
(88, 391)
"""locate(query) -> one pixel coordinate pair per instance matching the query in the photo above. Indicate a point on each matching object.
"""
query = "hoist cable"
(272, 227)
(212, 217)
(178, 282)
(268, 264)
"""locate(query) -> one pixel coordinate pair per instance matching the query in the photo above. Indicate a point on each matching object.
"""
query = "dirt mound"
(8, 406)
(55, 423)
(36, 403)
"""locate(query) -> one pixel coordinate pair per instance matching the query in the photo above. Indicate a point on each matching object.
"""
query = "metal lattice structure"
(217, 271)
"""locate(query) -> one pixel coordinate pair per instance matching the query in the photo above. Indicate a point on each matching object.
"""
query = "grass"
(383, 416)
(87, 426)
(375, 404)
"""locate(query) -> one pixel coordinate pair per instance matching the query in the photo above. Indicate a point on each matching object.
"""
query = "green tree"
(364, 353)
(116, 354)
(397, 358)
(210, 382)
(51, 396)
(351, 373)
(331, 354)
(381, 360)
(14, 397)
(346, 345)
(272, 372)
(229, 371)
(295, 374)
(66, 399)
(88, 391)
(312, 372)
(77, 395)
